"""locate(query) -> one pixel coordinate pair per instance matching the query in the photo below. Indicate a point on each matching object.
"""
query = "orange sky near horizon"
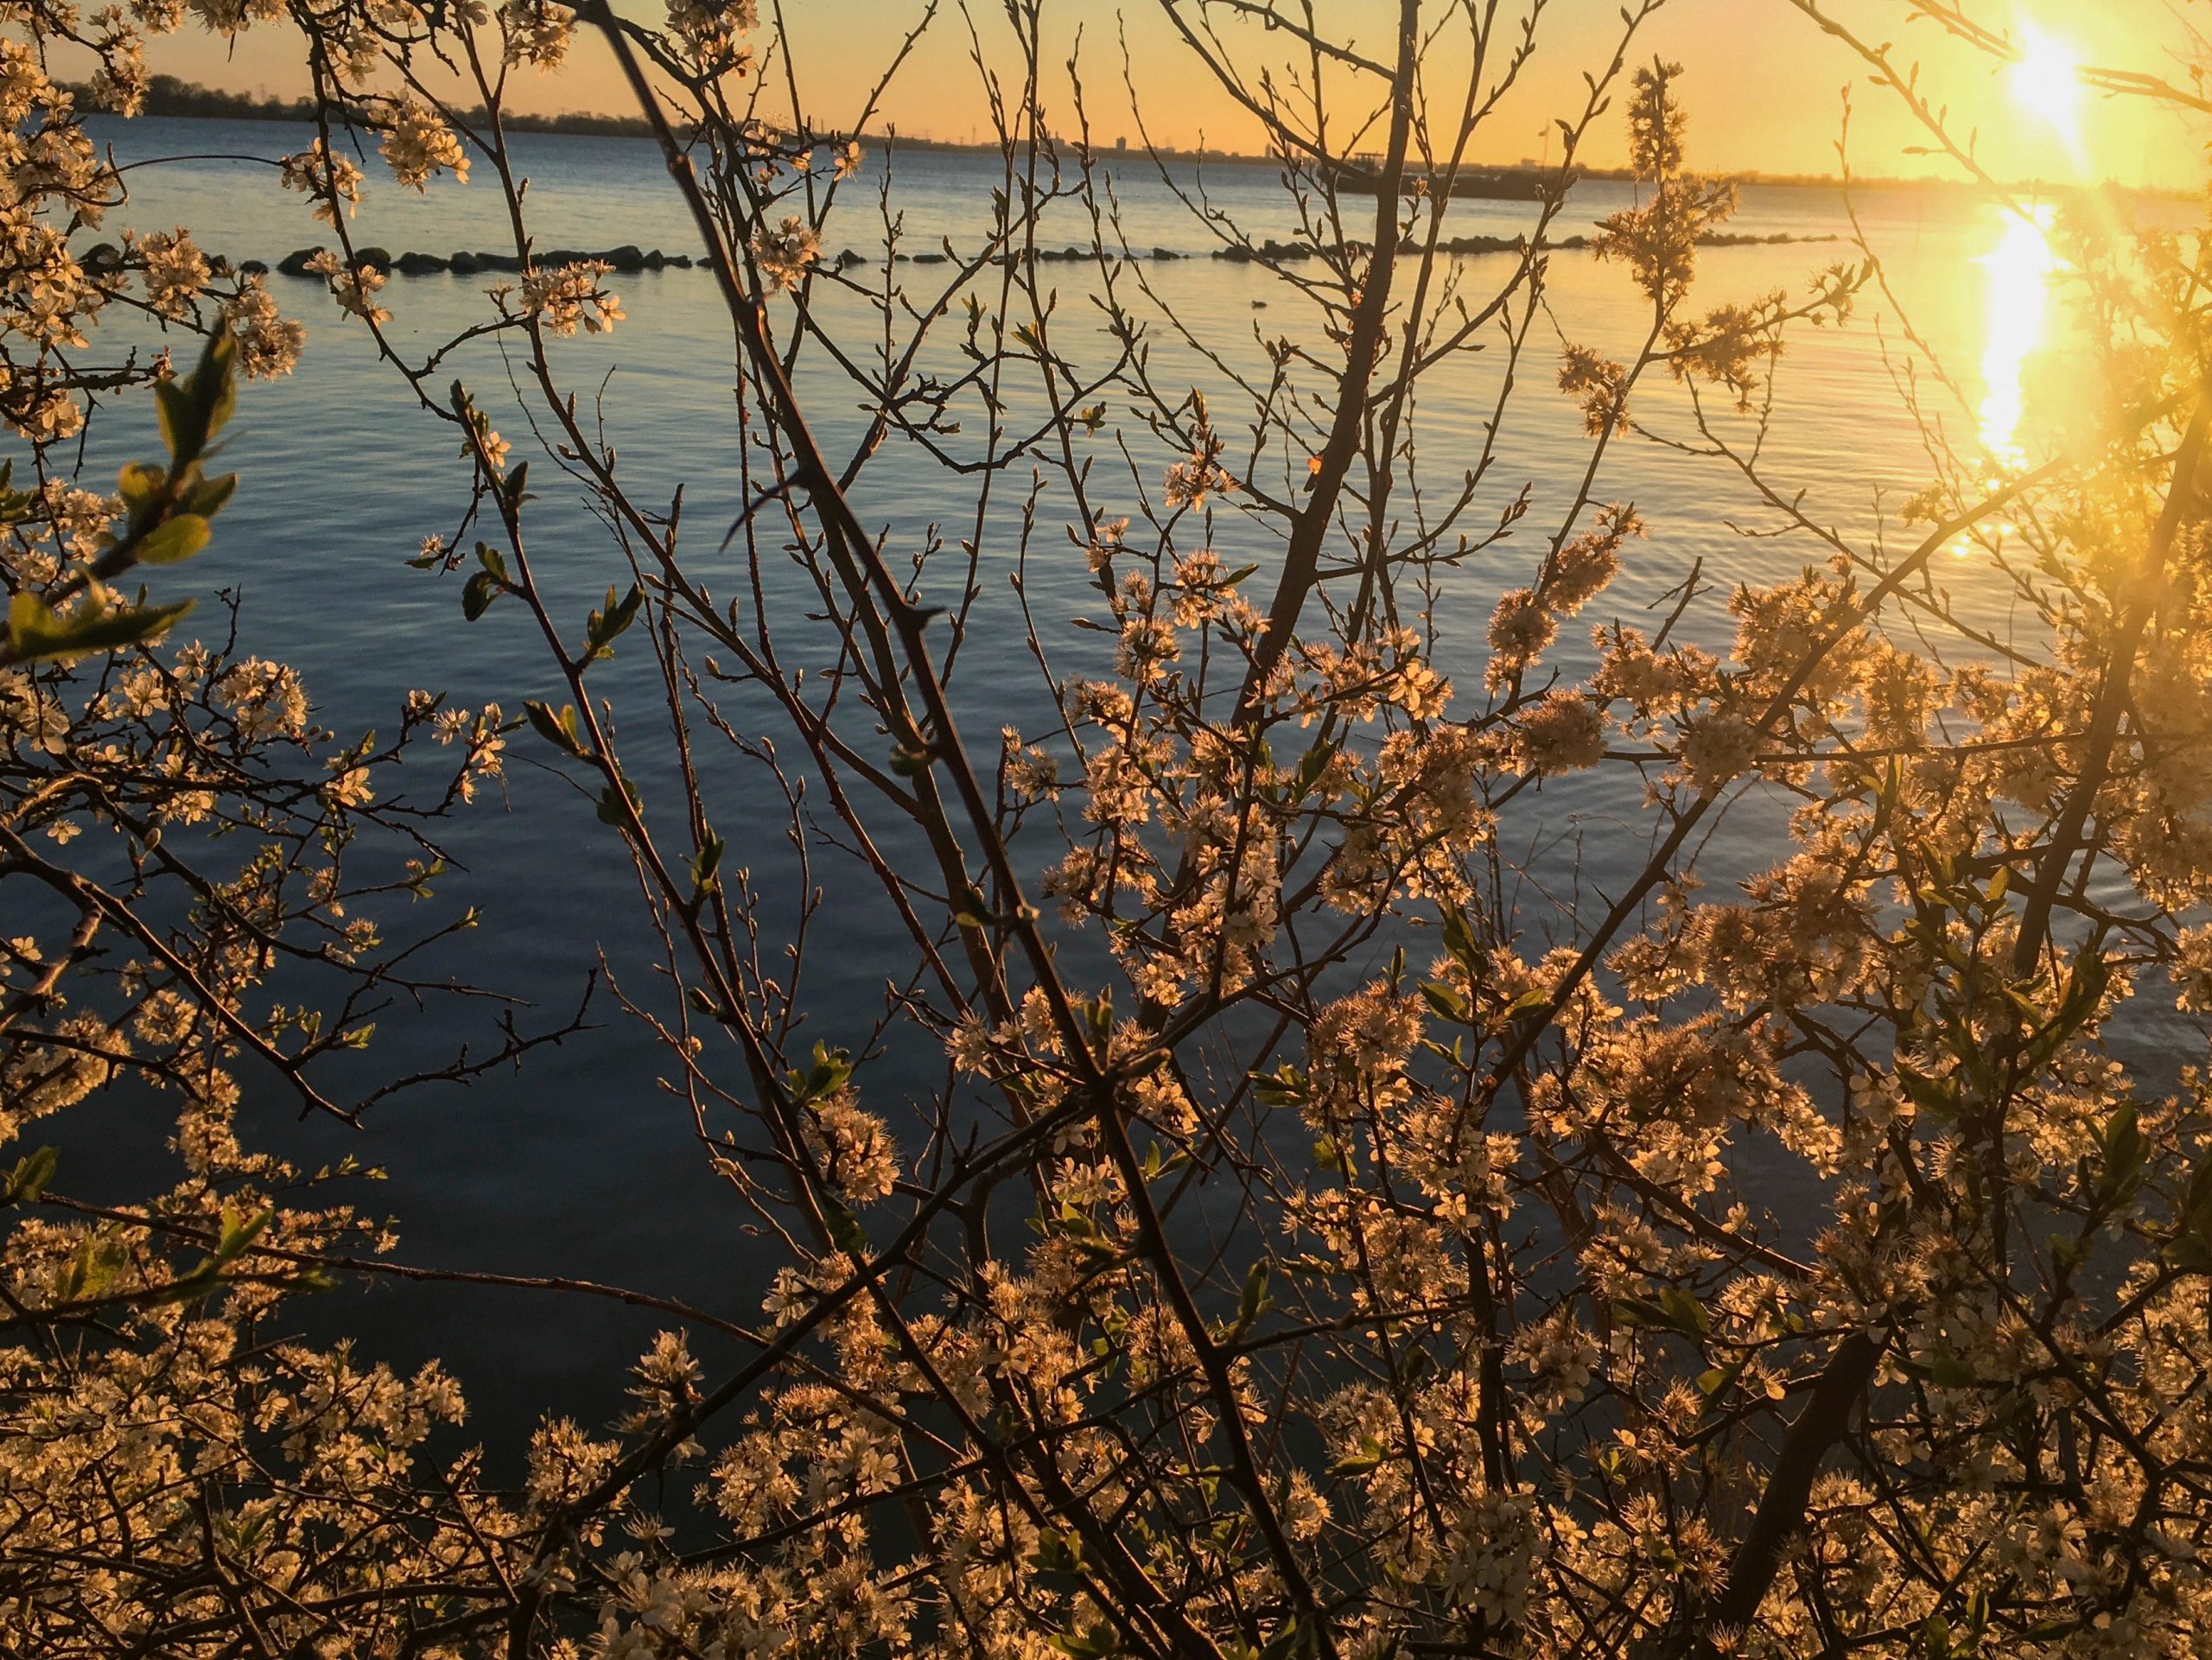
(1765, 87)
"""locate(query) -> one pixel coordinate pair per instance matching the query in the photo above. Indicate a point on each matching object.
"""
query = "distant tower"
(1121, 143)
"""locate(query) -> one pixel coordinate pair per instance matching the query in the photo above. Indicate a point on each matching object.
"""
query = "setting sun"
(2046, 78)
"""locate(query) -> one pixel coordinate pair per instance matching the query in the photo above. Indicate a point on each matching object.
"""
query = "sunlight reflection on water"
(2019, 270)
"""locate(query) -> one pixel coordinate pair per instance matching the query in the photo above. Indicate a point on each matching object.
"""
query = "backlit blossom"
(786, 253)
(570, 296)
(175, 272)
(333, 180)
(537, 32)
(419, 145)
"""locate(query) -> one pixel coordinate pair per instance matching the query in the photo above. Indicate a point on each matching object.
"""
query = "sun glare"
(2046, 79)
(2019, 270)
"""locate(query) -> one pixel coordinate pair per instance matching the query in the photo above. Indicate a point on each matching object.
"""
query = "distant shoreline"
(169, 97)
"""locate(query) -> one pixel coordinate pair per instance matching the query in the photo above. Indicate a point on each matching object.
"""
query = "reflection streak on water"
(2019, 270)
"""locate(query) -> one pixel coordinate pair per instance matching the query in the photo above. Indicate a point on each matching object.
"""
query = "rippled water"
(579, 1164)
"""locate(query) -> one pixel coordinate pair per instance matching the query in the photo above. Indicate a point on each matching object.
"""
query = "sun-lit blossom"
(419, 145)
(786, 254)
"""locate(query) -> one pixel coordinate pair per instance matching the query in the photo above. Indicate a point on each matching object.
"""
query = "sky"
(1764, 89)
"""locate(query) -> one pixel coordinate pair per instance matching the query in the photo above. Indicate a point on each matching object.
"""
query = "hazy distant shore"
(168, 95)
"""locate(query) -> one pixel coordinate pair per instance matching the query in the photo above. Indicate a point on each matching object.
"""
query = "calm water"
(579, 1164)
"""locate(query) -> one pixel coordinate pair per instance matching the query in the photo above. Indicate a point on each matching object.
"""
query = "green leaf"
(1686, 1311)
(193, 411)
(845, 1231)
(35, 634)
(1717, 1382)
(1314, 762)
(1093, 1643)
(706, 866)
(214, 385)
(239, 1233)
(1459, 940)
(477, 595)
(1057, 1552)
(32, 1172)
(1358, 1463)
(210, 496)
(706, 1006)
(560, 731)
(2124, 1150)
(176, 540)
(1448, 1003)
(174, 410)
(831, 1071)
(203, 1282)
(1951, 1372)
(1254, 1301)
(607, 625)
(140, 485)
(1938, 1099)
(2068, 1253)
(1672, 1310)
(611, 804)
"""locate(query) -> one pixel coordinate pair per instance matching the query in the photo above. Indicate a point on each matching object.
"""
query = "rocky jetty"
(630, 258)
(463, 262)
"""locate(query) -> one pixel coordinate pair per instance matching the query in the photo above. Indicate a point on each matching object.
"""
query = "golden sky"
(1765, 90)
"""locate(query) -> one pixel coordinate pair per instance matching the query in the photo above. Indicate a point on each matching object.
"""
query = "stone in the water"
(374, 256)
(295, 263)
(102, 256)
(681, 261)
(628, 256)
(411, 264)
(464, 264)
(252, 268)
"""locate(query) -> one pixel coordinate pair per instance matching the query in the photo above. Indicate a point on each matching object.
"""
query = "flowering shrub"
(1320, 1240)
